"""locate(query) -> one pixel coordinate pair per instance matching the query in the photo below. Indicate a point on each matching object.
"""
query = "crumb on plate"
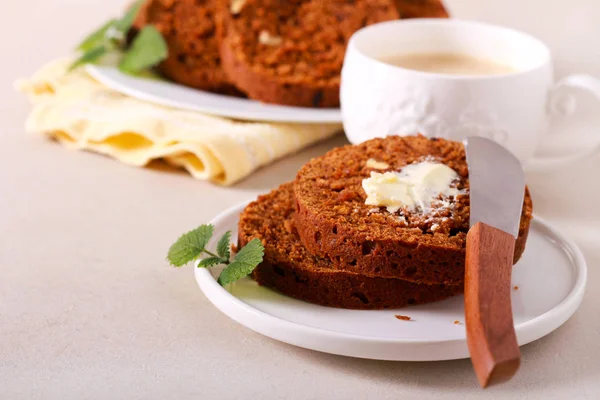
(402, 317)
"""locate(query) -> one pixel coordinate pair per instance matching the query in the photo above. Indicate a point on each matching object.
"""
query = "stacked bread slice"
(277, 51)
(189, 28)
(324, 245)
(291, 52)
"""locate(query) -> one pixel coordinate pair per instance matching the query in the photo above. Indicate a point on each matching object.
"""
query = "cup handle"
(564, 104)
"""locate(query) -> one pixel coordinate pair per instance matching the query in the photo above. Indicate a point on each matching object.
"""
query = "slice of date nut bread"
(333, 220)
(421, 9)
(288, 268)
(188, 27)
(291, 52)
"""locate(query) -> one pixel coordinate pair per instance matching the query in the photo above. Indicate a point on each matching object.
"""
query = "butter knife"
(497, 188)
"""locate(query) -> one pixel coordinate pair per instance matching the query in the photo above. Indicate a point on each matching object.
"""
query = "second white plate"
(173, 95)
(550, 278)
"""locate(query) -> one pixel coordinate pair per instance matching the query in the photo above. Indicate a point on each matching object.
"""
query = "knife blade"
(496, 191)
(496, 185)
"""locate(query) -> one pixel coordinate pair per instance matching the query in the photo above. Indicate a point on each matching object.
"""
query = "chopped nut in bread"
(372, 163)
(237, 6)
(267, 39)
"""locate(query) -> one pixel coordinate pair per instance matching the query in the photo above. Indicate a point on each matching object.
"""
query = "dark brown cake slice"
(291, 52)
(421, 9)
(291, 270)
(333, 220)
(188, 27)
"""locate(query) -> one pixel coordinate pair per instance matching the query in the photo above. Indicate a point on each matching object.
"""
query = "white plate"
(173, 95)
(550, 277)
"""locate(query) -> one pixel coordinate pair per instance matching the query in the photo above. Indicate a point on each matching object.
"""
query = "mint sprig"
(90, 56)
(125, 23)
(191, 245)
(147, 49)
(223, 247)
(96, 38)
(245, 261)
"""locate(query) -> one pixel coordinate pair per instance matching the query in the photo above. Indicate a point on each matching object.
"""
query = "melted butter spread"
(413, 187)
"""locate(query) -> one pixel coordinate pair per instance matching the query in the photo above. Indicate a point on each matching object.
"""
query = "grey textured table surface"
(90, 310)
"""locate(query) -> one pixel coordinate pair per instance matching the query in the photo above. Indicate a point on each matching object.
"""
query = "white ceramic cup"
(379, 99)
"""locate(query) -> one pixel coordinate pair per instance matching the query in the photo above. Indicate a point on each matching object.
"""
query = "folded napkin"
(82, 114)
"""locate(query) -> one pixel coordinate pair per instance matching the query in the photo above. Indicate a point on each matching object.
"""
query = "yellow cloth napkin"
(82, 114)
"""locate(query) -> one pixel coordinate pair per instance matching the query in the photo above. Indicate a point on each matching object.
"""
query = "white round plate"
(550, 278)
(173, 95)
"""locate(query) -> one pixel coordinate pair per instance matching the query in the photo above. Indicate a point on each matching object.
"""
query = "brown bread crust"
(302, 63)
(291, 270)
(421, 9)
(333, 221)
(188, 27)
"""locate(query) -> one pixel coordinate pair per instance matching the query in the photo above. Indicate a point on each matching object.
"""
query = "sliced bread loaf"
(291, 52)
(188, 27)
(333, 220)
(291, 270)
(421, 9)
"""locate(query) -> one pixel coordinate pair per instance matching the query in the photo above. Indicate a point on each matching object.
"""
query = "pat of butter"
(415, 186)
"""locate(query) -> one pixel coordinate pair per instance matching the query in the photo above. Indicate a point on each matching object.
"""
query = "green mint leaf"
(210, 262)
(223, 248)
(96, 38)
(246, 260)
(124, 24)
(189, 245)
(148, 49)
(89, 56)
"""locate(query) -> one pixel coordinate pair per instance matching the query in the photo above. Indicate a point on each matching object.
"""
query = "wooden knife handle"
(488, 312)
